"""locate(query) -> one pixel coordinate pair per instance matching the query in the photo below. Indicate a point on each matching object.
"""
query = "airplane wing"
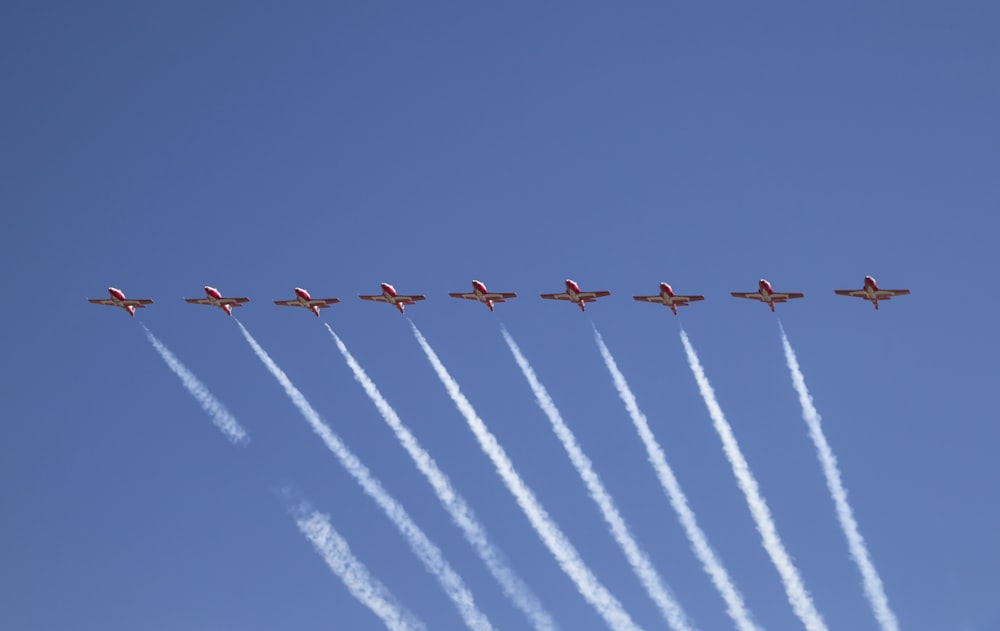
(233, 301)
(465, 296)
(678, 300)
(591, 295)
(881, 294)
(857, 293)
(97, 301)
(198, 301)
(410, 299)
(562, 296)
(322, 303)
(778, 296)
(751, 295)
(376, 298)
(288, 303)
(137, 302)
(499, 296)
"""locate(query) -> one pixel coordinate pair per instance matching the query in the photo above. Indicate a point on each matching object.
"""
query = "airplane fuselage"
(667, 296)
(118, 297)
(479, 289)
(304, 299)
(303, 296)
(766, 292)
(871, 291)
(214, 296)
(389, 292)
(573, 291)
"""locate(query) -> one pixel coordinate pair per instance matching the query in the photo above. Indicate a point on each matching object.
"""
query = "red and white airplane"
(487, 298)
(871, 291)
(390, 296)
(118, 299)
(573, 294)
(668, 298)
(303, 299)
(215, 299)
(767, 295)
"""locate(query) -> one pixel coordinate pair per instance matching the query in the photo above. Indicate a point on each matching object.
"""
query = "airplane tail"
(489, 303)
(131, 310)
(772, 306)
(228, 309)
(583, 305)
(876, 304)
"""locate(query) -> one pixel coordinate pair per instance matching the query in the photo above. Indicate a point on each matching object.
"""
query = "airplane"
(118, 299)
(767, 295)
(668, 298)
(573, 294)
(215, 299)
(390, 296)
(303, 299)
(488, 298)
(871, 291)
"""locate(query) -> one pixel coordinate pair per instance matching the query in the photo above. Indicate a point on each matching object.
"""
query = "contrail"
(225, 421)
(356, 577)
(455, 504)
(568, 558)
(637, 557)
(855, 542)
(735, 606)
(428, 553)
(799, 598)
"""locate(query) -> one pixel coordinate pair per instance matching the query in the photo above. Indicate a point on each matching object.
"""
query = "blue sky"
(261, 147)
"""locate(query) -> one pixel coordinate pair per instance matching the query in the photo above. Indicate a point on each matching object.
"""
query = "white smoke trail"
(855, 542)
(636, 556)
(455, 504)
(796, 592)
(565, 554)
(212, 406)
(356, 577)
(735, 606)
(428, 553)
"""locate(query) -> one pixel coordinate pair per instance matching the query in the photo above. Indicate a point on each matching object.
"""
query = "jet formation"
(765, 293)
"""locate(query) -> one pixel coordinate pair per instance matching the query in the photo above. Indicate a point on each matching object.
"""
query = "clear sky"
(331, 146)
